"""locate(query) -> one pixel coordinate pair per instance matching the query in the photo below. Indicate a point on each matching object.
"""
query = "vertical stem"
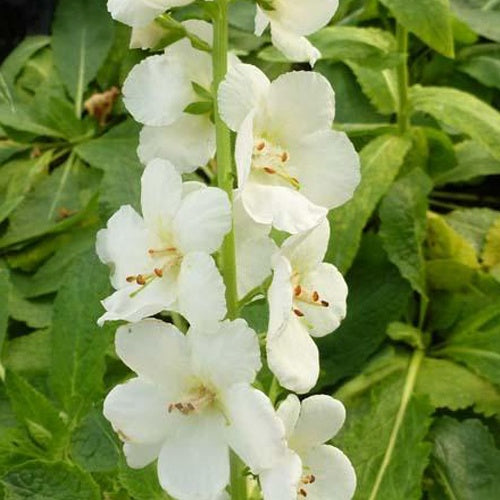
(402, 72)
(224, 158)
(225, 180)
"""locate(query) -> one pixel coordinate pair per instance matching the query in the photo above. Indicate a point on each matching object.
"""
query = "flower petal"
(280, 294)
(300, 103)
(334, 474)
(241, 92)
(123, 245)
(148, 101)
(332, 288)
(194, 462)
(293, 356)
(306, 251)
(288, 411)
(261, 21)
(203, 219)
(156, 351)
(160, 194)
(286, 209)
(255, 432)
(136, 12)
(327, 167)
(243, 149)
(226, 355)
(137, 410)
(188, 143)
(281, 482)
(146, 37)
(294, 47)
(201, 290)
(132, 303)
(321, 417)
(141, 455)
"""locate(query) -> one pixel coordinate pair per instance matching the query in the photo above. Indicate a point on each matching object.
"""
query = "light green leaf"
(462, 111)
(42, 480)
(29, 355)
(491, 252)
(465, 460)
(403, 226)
(142, 484)
(408, 334)
(381, 160)
(78, 344)
(484, 22)
(82, 35)
(430, 20)
(485, 69)
(4, 310)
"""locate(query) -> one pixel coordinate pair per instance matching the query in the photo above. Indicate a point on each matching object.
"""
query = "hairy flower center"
(196, 401)
(272, 160)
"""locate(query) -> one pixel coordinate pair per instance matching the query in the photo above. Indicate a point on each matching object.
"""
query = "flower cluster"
(192, 403)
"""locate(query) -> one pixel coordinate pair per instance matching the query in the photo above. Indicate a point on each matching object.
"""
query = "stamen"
(162, 251)
(284, 157)
(140, 279)
(260, 146)
(315, 296)
(298, 290)
(198, 399)
(324, 303)
(298, 313)
(310, 479)
(158, 272)
(302, 492)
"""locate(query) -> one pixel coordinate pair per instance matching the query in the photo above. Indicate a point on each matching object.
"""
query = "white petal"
(255, 432)
(242, 91)
(156, 351)
(244, 226)
(203, 219)
(141, 455)
(321, 417)
(201, 291)
(194, 463)
(130, 304)
(332, 288)
(303, 17)
(280, 294)
(136, 12)
(327, 167)
(243, 150)
(289, 411)
(138, 411)
(281, 482)
(161, 191)
(201, 29)
(294, 47)
(188, 143)
(306, 251)
(300, 103)
(286, 209)
(146, 37)
(123, 245)
(293, 356)
(261, 21)
(157, 91)
(225, 355)
(334, 474)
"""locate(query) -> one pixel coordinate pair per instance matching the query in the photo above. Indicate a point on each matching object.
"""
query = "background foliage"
(417, 361)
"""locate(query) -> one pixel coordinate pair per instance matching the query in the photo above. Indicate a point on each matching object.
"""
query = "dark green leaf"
(4, 310)
(142, 484)
(29, 354)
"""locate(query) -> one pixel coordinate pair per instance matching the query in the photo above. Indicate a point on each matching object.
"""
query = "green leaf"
(29, 355)
(430, 20)
(142, 484)
(35, 313)
(199, 108)
(484, 22)
(491, 252)
(461, 111)
(82, 35)
(93, 444)
(402, 332)
(452, 386)
(403, 226)
(381, 160)
(78, 344)
(115, 154)
(465, 460)
(42, 480)
(485, 69)
(4, 310)
(378, 295)
(384, 439)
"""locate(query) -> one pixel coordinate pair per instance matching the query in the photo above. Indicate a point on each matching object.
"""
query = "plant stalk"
(403, 79)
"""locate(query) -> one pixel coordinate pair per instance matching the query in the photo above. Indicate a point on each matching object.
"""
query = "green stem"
(239, 489)
(225, 176)
(402, 72)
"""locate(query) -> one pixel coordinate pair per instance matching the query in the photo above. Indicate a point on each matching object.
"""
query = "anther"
(315, 296)
(309, 479)
(298, 290)
(131, 279)
(324, 303)
(261, 146)
(284, 157)
(140, 279)
(269, 170)
(158, 272)
(303, 492)
(298, 313)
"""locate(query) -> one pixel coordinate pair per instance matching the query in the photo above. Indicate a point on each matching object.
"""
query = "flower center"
(302, 295)
(196, 401)
(272, 160)
(304, 481)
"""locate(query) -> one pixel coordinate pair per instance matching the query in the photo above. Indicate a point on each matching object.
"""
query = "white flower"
(139, 13)
(146, 37)
(311, 469)
(162, 260)
(191, 402)
(292, 167)
(254, 249)
(306, 297)
(158, 90)
(291, 21)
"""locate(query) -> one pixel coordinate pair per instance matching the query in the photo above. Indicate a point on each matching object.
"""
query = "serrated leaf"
(384, 439)
(403, 226)
(465, 459)
(381, 160)
(452, 386)
(462, 111)
(82, 35)
(78, 344)
(29, 354)
(45, 480)
(430, 20)
(142, 484)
